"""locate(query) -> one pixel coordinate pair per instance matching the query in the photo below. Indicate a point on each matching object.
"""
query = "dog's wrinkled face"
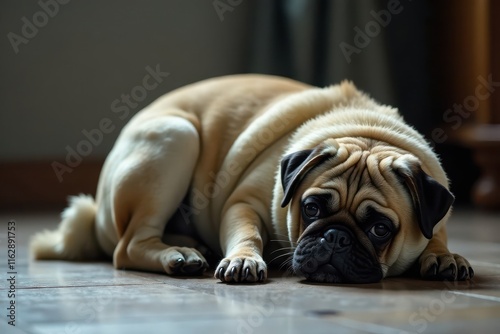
(353, 204)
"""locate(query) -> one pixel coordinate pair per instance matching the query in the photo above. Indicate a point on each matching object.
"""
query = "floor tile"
(93, 297)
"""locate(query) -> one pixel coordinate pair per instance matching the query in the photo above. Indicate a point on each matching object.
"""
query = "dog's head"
(358, 210)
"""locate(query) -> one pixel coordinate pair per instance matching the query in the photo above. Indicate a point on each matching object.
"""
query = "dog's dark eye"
(311, 210)
(378, 227)
(380, 231)
(314, 208)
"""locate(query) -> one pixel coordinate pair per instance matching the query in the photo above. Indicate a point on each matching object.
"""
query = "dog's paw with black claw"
(183, 261)
(242, 270)
(445, 267)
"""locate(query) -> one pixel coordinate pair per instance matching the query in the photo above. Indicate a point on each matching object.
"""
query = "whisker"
(284, 242)
(282, 249)
(282, 255)
(288, 266)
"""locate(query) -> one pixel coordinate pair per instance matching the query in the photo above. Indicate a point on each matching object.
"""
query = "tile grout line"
(80, 286)
(486, 264)
(476, 295)
(368, 327)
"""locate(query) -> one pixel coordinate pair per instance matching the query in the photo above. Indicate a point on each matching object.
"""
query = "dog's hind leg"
(149, 174)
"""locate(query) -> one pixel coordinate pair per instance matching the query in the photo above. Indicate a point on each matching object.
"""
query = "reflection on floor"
(65, 297)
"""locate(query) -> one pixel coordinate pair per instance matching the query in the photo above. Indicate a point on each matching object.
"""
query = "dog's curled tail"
(75, 238)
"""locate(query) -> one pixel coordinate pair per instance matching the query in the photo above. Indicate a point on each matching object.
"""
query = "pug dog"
(355, 192)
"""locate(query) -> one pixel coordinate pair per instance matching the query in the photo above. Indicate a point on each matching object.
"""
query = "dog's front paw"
(445, 267)
(242, 269)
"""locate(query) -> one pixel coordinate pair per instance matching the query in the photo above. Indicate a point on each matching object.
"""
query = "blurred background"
(72, 73)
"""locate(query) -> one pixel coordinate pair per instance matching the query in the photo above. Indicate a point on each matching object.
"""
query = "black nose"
(338, 239)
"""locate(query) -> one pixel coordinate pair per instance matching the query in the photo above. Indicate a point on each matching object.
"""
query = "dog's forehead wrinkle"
(331, 195)
(342, 170)
(355, 143)
(355, 184)
(379, 178)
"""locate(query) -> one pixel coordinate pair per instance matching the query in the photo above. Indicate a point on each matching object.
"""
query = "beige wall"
(64, 79)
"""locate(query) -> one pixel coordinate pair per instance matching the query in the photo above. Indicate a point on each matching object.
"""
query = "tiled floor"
(65, 297)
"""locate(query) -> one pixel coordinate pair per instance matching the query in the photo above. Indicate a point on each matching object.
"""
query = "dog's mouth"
(325, 273)
(335, 257)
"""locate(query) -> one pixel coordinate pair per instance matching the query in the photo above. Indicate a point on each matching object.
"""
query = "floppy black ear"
(431, 200)
(296, 165)
(290, 168)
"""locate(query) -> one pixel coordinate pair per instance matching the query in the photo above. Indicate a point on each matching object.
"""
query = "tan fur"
(75, 238)
(220, 142)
